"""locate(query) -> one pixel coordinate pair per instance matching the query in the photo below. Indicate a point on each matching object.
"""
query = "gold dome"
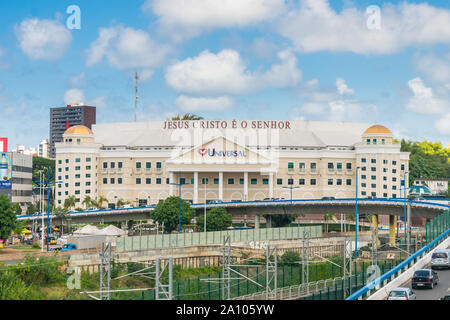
(378, 129)
(78, 130)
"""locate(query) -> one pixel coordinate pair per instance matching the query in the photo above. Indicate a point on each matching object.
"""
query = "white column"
(246, 186)
(195, 187)
(271, 185)
(221, 186)
(170, 185)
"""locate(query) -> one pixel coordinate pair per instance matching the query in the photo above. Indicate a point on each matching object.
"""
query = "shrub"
(290, 257)
(36, 246)
(12, 287)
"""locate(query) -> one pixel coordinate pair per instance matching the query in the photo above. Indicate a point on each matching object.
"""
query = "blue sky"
(231, 59)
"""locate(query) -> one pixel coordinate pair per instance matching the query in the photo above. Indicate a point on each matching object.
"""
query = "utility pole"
(136, 97)
(105, 271)
(164, 291)
(305, 258)
(347, 262)
(271, 272)
(226, 275)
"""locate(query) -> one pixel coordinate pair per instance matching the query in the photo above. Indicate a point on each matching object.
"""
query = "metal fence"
(437, 226)
(213, 238)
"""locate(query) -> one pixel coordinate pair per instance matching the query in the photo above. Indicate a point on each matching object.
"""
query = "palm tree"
(100, 201)
(70, 202)
(120, 203)
(61, 212)
(187, 116)
(327, 217)
(87, 202)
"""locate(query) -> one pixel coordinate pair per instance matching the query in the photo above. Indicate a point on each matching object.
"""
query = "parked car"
(328, 198)
(401, 294)
(127, 206)
(69, 247)
(424, 278)
(55, 249)
(446, 297)
(440, 259)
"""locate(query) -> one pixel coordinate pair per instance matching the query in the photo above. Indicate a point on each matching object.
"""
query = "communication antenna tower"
(136, 97)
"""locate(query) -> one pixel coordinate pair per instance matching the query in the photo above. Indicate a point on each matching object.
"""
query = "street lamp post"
(179, 197)
(291, 188)
(356, 215)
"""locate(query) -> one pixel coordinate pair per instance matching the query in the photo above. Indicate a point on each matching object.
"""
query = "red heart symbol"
(202, 152)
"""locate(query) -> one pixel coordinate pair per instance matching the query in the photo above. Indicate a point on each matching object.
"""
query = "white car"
(401, 294)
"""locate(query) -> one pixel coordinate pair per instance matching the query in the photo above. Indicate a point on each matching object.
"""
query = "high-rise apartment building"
(44, 150)
(63, 118)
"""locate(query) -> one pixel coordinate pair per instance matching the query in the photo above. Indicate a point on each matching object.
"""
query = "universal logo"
(213, 153)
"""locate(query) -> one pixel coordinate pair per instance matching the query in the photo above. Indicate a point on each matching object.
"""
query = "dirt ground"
(11, 255)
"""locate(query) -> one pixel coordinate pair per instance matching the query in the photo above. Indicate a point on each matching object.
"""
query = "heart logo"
(202, 152)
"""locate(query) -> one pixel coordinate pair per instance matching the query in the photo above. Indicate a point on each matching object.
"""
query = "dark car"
(446, 297)
(424, 278)
(328, 198)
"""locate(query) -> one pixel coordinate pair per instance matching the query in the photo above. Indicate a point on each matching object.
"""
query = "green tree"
(120, 203)
(217, 219)
(290, 257)
(87, 201)
(17, 209)
(42, 164)
(282, 220)
(8, 219)
(100, 201)
(70, 202)
(167, 212)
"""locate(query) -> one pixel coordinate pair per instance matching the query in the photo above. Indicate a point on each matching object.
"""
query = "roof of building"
(378, 129)
(78, 130)
(315, 134)
(420, 190)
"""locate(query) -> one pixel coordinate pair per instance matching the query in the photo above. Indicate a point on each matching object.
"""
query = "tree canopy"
(427, 160)
(187, 116)
(167, 212)
(43, 164)
(8, 220)
(217, 219)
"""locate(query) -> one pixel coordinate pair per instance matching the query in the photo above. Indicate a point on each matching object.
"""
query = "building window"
(313, 182)
(158, 180)
(138, 180)
(167, 180)
(77, 160)
(373, 169)
(105, 165)
(88, 191)
(384, 195)
(402, 183)
(148, 181)
(363, 185)
(59, 170)
(313, 166)
(290, 181)
(363, 160)
(383, 141)
(385, 162)
(192, 180)
(182, 180)
(339, 166)
(88, 167)
(254, 181)
(216, 180)
(119, 165)
(148, 165)
(349, 182)
(279, 181)
(349, 166)
(367, 141)
(67, 168)
(403, 167)
(394, 163)
(373, 177)
(363, 168)
(384, 186)
(59, 161)
(301, 182)
(230, 181)
(77, 184)
(330, 182)
(363, 176)
(373, 160)
(330, 166)
(119, 180)
(158, 165)
(67, 160)
(265, 181)
(105, 181)
(302, 166)
(88, 183)
(138, 165)
(77, 176)
(77, 168)
(384, 178)
(290, 165)
(88, 175)
(394, 187)
(205, 180)
(374, 141)
(374, 194)
(112, 165)
(113, 181)
(394, 170)
(88, 159)
(241, 180)
(77, 191)
(394, 179)
(363, 193)
(339, 182)
(373, 185)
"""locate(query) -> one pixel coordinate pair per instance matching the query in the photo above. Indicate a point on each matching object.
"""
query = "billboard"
(5, 170)
(3, 144)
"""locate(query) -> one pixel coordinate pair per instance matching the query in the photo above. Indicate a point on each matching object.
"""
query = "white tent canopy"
(87, 230)
(111, 231)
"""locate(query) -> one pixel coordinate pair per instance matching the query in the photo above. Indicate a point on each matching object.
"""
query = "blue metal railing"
(392, 272)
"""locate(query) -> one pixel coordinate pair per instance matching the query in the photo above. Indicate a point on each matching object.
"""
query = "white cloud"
(73, 96)
(315, 26)
(182, 19)
(127, 48)
(342, 87)
(423, 100)
(226, 73)
(332, 103)
(43, 39)
(78, 80)
(434, 68)
(195, 104)
(443, 124)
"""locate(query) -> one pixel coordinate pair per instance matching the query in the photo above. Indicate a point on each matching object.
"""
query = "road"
(438, 291)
